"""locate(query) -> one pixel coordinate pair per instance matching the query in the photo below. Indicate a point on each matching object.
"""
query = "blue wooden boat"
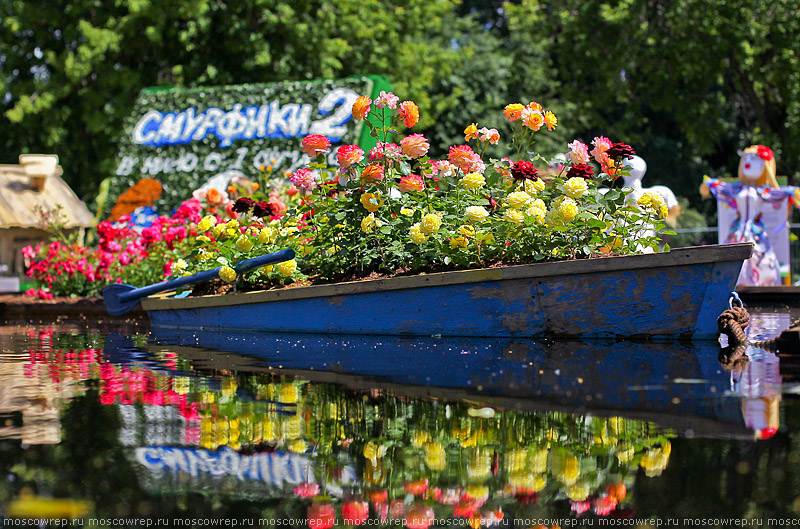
(673, 295)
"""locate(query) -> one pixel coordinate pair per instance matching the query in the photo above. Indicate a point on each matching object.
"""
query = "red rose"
(581, 170)
(523, 170)
(243, 205)
(619, 151)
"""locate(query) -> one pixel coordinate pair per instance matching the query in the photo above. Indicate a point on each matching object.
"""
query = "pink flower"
(28, 253)
(396, 509)
(601, 145)
(580, 507)
(307, 490)
(410, 183)
(415, 145)
(383, 150)
(579, 152)
(463, 157)
(348, 155)
(355, 512)
(604, 505)
(386, 100)
(303, 178)
(315, 144)
(490, 135)
(278, 206)
(450, 497)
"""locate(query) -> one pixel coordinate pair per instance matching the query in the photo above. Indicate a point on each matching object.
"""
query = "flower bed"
(391, 210)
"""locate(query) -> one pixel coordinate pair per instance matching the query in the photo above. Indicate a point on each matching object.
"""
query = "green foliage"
(686, 83)
(71, 71)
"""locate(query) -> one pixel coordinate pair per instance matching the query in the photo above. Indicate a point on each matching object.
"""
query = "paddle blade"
(114, 305)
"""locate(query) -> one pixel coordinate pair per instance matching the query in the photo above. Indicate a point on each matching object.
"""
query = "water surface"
(171, 428)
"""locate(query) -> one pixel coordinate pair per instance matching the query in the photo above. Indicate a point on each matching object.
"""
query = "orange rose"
(409, 113)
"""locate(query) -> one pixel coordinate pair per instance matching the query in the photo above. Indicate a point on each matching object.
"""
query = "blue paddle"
(121, 298)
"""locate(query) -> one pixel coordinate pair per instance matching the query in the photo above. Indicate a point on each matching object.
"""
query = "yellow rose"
(514, 215)
(435, 456)
(207, 222)
(479, 465)
(217, 230)
(534, 187)
(298, 446)
(567, 209)
(653, 203)
(575, 187)
(578, 491)
(467, 230)
(539, 461)
(408, 212)
(371, 201)
(517, 199)
(287, 268)
(419, 438)
(537, 210)
(430, 223)
(477, 213)
(179, 266)
(369, 223)
(203, 238)
(473, 181)
(233, 223)
(458, 242)
(516, 460)
(244, 244)
(227, 274)
(415, 232)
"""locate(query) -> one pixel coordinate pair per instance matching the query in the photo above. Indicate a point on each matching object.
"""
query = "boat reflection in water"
(350, 428)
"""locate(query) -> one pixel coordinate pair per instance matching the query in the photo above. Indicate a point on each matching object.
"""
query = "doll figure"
(755, 208)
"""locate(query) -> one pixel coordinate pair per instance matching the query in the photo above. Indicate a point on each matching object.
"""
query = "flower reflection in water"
(361, 455)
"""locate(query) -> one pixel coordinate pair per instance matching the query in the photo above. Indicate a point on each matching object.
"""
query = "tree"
(704, 79)
(71, 70)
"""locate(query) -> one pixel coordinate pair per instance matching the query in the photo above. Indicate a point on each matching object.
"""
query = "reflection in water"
(143, 433)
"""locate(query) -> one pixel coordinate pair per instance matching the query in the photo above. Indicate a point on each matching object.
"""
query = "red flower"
(618, 151)
(263, 209)
(581, 170)
(321, 516)
(765, 153)
(416, 487)
(523, 170)
(355, 512)
(243, 205)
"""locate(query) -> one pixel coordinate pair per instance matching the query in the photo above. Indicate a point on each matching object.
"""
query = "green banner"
(186, 137)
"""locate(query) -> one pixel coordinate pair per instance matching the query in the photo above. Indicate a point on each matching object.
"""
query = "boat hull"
(673, 295)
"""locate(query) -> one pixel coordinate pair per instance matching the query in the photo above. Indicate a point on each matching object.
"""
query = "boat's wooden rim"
(677, 257)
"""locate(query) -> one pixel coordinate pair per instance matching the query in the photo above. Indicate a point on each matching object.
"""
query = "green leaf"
(222, 260)
(405, 168)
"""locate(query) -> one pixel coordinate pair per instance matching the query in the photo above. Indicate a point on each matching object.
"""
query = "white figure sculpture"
(637, 169)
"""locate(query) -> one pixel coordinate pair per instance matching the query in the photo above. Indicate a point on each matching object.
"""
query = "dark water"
(129, 428)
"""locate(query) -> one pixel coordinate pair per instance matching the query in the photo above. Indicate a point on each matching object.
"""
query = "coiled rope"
(732, 323)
